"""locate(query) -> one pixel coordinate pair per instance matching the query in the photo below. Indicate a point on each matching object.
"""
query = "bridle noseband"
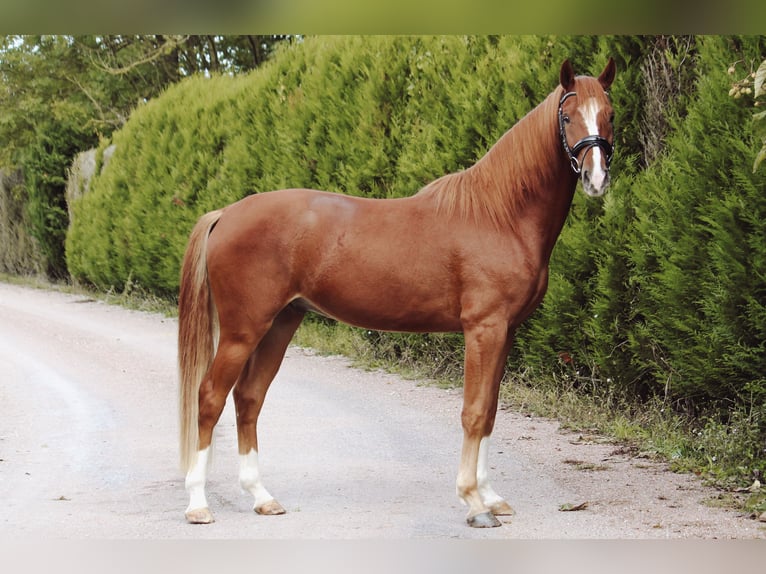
(585, 143)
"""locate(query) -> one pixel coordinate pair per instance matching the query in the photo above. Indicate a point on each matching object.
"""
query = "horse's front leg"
(486, 349)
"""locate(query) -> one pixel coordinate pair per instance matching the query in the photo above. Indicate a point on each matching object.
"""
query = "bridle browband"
(585, 143)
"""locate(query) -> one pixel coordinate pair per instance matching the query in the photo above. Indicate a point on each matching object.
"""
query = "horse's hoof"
(502, 508)
(199, 516)
(483, 520)
(270, 508)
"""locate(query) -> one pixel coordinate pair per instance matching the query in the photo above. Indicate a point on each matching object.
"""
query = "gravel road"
(88, 449)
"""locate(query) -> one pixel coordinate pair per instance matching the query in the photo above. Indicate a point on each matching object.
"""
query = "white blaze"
(589, 113)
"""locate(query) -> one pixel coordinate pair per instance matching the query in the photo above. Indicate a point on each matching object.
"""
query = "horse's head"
(586, 125)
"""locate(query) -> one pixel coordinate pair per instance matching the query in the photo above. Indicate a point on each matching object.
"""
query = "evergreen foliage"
(19, 253)
(59, 95)
(697, 247)
(42, 126)
(658, 290)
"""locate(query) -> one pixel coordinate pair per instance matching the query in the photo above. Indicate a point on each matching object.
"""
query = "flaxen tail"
(197, 334)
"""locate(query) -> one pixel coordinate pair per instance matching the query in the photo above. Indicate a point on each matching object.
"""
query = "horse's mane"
(496, 188)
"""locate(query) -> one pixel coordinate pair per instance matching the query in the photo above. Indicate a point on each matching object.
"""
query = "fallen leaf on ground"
(755, 487)
(573, 507)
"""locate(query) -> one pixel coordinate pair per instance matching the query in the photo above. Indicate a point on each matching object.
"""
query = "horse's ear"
(567, 76)
(607, 76)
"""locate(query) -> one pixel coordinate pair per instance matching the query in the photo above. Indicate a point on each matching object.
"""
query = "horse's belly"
(384, 313)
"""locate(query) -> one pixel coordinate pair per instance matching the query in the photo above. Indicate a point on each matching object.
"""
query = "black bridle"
(585, 143)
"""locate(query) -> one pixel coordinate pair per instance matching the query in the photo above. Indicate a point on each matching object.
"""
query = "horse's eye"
(566, 119)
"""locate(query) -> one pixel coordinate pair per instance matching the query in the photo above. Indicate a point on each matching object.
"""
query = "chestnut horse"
(468, 253)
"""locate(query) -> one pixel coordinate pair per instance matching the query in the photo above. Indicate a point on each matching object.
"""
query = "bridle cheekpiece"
(585, 143)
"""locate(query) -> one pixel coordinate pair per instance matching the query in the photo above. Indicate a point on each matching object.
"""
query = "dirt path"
(88, 449)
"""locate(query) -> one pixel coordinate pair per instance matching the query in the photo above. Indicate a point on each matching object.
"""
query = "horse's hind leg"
(230, 358)
(249, 394)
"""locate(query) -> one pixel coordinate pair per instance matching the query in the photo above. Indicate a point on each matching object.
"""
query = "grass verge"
(131, 295)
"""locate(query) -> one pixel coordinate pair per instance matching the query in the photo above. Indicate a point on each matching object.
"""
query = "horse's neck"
(535, 178)
(548, 217)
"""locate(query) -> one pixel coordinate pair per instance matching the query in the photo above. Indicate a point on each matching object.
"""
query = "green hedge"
(661, 289)
(657, 289)
(374, 116)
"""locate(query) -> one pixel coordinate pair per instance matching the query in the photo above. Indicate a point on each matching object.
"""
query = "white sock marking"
(195, 481)
(487, 493)
(250, 478)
